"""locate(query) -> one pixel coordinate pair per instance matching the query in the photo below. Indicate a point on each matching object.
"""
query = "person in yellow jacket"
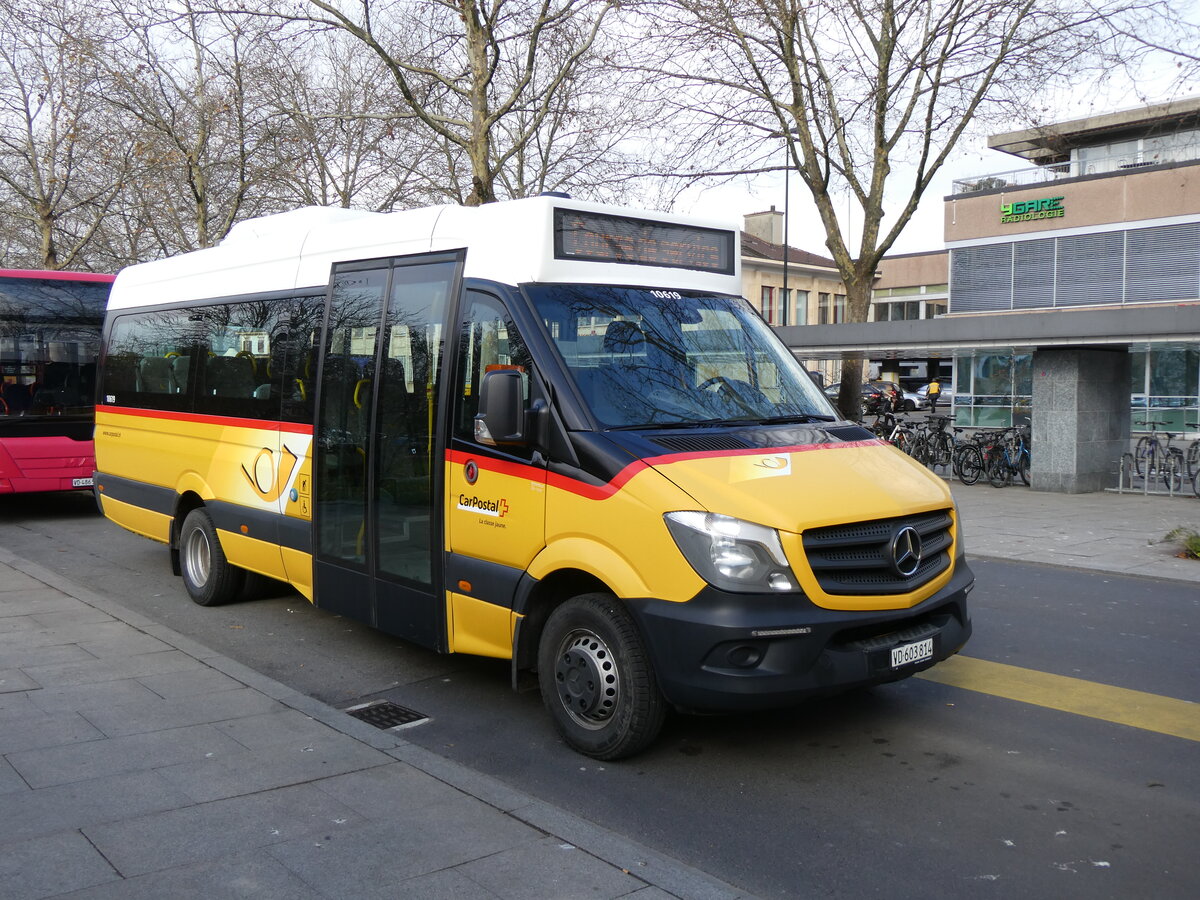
(935, 394)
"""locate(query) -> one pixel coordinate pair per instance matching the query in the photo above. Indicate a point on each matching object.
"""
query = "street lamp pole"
(787, 221)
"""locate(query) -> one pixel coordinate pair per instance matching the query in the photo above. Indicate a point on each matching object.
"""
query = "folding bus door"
(377, 523)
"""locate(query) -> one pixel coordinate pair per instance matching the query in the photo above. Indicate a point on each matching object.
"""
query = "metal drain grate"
(385, 714)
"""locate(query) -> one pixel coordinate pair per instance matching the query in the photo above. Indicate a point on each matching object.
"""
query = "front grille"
(857, 558)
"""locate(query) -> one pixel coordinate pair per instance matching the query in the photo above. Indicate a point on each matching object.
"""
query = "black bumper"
(722, 651)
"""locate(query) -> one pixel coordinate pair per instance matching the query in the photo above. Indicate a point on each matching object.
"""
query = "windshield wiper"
(795, 417)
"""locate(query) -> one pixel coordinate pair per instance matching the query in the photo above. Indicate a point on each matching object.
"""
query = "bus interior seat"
(16, 397)
(179, 374)
(154, 375)
(230, 376)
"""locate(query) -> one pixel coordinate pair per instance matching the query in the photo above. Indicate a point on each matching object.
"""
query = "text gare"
(1029, 210)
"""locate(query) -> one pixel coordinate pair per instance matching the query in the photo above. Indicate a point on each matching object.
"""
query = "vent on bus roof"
(700, 443)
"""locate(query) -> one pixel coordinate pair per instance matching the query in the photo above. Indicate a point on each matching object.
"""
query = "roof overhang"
(1159, 323)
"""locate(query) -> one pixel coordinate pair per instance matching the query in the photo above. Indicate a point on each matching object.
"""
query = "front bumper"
(722, 651)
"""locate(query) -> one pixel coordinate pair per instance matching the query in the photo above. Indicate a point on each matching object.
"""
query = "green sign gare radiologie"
(1028, 210)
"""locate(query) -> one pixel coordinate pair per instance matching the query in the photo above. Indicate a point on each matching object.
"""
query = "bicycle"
(1155, 458)
(1192, 460)
(1009, 457)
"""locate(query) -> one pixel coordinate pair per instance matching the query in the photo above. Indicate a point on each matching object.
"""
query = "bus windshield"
(669, 358)
(49, 338)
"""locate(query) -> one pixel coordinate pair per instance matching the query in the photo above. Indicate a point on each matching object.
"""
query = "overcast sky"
(925, 231)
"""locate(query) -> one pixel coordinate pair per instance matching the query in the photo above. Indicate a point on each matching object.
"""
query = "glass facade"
(993, 390)
(996, 389)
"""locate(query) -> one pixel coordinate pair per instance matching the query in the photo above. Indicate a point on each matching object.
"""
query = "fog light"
(744, 656)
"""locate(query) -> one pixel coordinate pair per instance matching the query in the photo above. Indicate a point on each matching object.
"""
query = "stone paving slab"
(112, 669)
(113, 756)
(51, 865)
(157, 714)
(32, 813)
(369, 861)
(252, 875)
(210, 831)
(30, 731)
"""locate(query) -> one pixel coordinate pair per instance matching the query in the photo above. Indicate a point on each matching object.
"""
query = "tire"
(919, 450)
(997, 469)
(943, 450)
(909, 406)
(209, 578)
(1141, 463)
(596, 678)
(1023, 468)
(1171, 471)
(970, 464)
(1193, 459)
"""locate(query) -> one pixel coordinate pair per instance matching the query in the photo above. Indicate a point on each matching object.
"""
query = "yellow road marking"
(1150, 712)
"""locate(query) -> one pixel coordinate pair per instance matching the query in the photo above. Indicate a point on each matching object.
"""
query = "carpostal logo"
(495, 508)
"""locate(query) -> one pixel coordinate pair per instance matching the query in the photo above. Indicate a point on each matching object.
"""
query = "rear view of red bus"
(49, 337)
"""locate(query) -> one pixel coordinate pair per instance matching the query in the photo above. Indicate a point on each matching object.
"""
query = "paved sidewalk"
(1104, 531)
(135, 763)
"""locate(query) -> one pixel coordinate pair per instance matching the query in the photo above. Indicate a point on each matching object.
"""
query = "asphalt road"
(918, 789)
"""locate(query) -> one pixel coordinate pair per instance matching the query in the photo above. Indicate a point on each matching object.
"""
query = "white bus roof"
(511, 242)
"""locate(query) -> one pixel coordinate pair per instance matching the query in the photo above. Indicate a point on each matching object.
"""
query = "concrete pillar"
(1080, 418)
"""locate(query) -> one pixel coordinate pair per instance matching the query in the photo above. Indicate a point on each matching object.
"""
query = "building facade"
(1074, 292)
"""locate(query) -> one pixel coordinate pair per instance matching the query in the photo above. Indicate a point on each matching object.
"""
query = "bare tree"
(349, 140)
(482, 78)
(852, 89)
(191, 80)
(59, 170)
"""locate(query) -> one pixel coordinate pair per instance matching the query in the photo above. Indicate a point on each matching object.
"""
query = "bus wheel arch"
(596, 677)
(208, 576)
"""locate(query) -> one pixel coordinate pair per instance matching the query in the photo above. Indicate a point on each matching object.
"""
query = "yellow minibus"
(543, 430)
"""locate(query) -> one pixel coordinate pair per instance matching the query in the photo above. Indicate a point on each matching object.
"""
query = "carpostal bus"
(541, 430)
(49, 338)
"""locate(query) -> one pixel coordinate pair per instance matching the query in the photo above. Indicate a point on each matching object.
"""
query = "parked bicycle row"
(1000, 455)
(1158, 463)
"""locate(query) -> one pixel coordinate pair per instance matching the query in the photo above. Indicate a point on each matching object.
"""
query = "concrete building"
(1074, 291)
(787, 285)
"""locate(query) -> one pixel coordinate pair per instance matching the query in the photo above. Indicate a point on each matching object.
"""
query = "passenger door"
(377, 526)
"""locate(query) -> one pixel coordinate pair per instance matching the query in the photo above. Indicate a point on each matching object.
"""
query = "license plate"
(81, 482)
(906, 654)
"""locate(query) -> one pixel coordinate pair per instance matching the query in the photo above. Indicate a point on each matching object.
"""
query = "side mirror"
(501, 416)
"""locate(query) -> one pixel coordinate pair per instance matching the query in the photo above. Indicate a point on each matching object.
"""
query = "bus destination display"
(641, 242)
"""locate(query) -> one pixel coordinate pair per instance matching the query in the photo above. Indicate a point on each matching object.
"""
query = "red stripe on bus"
(200, 419)
(56, 275)
(618, 481)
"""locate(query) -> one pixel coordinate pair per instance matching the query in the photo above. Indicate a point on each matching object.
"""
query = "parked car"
(913, 400)
(873, 395)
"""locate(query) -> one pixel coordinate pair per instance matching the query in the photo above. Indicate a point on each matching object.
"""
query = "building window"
(801, 317)
(767, 304)
(824, 308)
(839, 307)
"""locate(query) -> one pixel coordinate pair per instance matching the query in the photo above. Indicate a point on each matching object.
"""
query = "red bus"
(49, 338)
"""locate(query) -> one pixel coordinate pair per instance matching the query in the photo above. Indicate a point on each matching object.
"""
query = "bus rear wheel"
(596, 679)
(207, 575)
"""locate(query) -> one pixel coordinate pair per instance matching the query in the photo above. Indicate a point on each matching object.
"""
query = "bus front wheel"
(597, 680)
(209, 578)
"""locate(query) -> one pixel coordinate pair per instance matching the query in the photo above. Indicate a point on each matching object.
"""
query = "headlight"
(731, 554)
